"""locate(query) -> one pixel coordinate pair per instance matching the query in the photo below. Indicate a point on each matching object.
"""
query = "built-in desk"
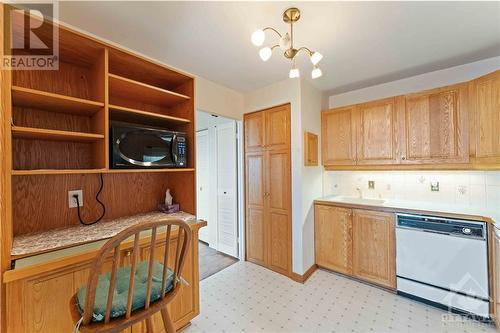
(51, 266)
(32, 244)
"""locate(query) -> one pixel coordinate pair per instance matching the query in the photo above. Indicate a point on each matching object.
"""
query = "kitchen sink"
(360, 201)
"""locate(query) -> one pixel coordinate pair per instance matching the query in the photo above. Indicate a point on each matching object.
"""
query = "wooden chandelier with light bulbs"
(290, 16)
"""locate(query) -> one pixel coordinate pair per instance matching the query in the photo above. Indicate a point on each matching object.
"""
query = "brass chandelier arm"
(271, 28)
(303, 48)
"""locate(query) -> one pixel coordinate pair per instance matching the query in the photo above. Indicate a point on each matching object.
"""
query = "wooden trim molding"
(304, 277)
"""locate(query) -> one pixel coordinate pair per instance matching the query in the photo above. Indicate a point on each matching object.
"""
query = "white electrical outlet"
(72, 199)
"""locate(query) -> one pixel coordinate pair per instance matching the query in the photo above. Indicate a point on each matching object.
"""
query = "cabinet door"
(436, 126)
(374, 256)
(333, 243)
(277, 122)
(485, 103)
(377, 132)
(46, 304)
(254, 193)
(254, 131)
(278, 217)
(338, 140)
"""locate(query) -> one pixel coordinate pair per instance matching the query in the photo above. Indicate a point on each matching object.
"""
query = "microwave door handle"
(173, 149)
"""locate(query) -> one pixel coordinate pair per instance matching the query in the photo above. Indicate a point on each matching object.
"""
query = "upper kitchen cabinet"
(338, 136)
(436, 126)
(277, 130)
(254, 131)
(485, 119)
(377, 132)
(268, 129)
(451, 127)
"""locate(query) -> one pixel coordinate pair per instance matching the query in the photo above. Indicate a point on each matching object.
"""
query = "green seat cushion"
(120, 294)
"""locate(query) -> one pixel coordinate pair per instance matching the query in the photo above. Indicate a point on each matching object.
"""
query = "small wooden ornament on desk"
(168, 207)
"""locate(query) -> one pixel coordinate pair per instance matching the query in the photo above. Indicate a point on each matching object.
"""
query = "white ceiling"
(363, 43)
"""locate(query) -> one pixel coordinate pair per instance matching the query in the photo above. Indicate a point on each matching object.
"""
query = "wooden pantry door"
(267, 188)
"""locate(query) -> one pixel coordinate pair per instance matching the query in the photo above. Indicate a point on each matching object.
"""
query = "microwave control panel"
(181, 151)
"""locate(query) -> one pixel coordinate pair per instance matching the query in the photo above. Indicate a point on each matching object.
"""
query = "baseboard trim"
(303, 278)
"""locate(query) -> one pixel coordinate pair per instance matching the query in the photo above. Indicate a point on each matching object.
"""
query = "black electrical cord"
(99, 201)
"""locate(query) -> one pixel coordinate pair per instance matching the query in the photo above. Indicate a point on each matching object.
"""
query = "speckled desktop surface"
(62, 238)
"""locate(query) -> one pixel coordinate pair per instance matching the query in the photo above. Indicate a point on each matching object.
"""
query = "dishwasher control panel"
(441, 225)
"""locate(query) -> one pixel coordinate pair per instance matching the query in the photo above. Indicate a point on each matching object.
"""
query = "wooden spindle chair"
(109, 324)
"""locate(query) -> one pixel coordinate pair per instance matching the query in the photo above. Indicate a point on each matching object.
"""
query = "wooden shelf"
(92, 171)
(138, 91)
(134, 115)
(149, 170)
(54, 135)
(56, 172)
(38, 99)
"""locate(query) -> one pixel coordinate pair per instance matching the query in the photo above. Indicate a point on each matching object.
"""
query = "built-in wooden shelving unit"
(54, 138)
(59, 133)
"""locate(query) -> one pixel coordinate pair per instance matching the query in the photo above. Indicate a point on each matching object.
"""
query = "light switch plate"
(72, 200)
(435, 186)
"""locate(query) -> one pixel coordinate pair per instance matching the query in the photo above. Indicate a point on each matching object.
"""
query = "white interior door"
(202, 182)
(227, 218)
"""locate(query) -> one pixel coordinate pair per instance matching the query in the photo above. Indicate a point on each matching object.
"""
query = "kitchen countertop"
(416, 207)
(78, 236)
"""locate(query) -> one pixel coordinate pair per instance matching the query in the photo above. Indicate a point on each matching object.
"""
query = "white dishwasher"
(443, 262)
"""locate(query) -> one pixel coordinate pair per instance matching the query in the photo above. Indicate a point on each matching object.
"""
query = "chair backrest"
(173, 229)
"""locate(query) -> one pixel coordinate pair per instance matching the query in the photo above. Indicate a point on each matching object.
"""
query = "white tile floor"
(248, 298)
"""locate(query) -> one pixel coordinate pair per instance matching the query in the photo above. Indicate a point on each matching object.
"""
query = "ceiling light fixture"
(285, 43)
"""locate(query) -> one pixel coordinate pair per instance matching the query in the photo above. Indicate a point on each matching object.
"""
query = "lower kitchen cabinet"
(333, 243)
(358, 243)
(374, 249)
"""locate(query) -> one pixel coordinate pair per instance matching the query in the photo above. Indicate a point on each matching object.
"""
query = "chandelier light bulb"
(258, 37)
(294, 71)
(316, 72)
(285, 42)
(316, 58)
(265, 53)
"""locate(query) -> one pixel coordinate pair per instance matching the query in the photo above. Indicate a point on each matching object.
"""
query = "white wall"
(214, 98)
(416, 83)
(312, 176)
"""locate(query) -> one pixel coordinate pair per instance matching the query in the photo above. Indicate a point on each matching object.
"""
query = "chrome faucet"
(359, 192)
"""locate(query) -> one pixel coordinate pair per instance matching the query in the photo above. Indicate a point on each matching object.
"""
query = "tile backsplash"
(478, 189)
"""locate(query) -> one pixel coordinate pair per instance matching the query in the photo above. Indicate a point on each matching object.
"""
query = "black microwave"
(138, 146)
